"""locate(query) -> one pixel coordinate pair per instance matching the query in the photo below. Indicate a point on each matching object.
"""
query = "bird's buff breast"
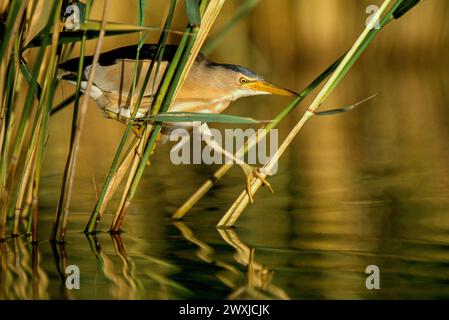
(111, 103)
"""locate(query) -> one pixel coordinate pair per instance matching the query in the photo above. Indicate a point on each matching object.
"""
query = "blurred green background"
(367, 187)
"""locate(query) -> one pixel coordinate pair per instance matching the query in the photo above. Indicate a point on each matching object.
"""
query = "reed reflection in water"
(120, 276)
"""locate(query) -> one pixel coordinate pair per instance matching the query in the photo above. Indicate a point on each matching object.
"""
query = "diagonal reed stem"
(218, 37)
(348, 61)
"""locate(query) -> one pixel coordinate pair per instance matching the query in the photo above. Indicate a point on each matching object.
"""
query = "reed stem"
(75, 125)
(107, 191)
(79, 129)
(185, 56)
(19, 137)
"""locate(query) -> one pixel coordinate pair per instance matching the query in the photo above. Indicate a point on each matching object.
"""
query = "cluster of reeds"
(389, 11)
(29, 78)
(32, 67)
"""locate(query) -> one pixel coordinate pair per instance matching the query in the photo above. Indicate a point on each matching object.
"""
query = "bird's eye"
(243, 80)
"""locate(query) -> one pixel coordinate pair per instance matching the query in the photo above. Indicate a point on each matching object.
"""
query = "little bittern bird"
(209, 87)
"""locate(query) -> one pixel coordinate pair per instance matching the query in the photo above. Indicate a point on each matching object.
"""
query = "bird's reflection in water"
(259, 277)
(21, 276)
(256, 283)
(126, 283)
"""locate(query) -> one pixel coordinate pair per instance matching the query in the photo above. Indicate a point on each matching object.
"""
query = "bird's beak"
(270, 88)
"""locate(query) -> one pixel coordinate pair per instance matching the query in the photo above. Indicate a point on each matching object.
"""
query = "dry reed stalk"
(82, 114)
(134, 164)
(118, 177)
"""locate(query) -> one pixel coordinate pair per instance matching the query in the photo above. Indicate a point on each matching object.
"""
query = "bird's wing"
(117, 78)
(147, 52)
(116, 68)
(115, 104)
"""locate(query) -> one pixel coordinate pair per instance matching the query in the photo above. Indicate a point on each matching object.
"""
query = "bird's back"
(147, 52)
(114, 80)
(114, 75)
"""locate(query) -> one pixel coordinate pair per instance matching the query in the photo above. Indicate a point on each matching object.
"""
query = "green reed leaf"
(342, 110)
(10, 21)
(74, 36)
(244, 9)
(142, 5)
(91, 29)
(404, 7)
(200, 117)
(193, 12)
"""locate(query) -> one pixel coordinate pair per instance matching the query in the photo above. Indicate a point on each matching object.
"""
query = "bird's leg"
(138, 130)
(249, 171)
(111, 114)
(140, 156)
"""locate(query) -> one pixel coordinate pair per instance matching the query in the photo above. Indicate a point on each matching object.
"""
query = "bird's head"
(236, 81)
(248, 83)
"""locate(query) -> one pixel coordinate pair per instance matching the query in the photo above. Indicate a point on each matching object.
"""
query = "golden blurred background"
(367, 187)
